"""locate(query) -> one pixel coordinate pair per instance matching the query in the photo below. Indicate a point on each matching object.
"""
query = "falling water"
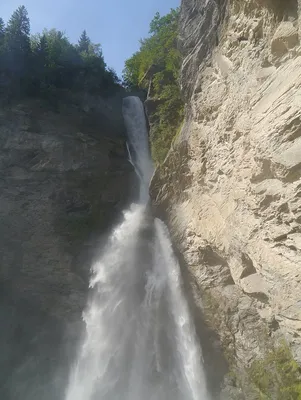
(140, 342)
(133, 114)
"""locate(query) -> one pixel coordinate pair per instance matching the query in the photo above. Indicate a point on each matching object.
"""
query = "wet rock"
(61, 187)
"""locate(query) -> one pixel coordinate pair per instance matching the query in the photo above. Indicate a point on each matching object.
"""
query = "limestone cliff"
(64, 180)
(230, 187)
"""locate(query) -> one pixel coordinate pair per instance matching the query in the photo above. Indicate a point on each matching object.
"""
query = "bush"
(277, 376)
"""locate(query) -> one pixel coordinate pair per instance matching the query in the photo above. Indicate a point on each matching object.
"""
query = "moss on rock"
(277, 375)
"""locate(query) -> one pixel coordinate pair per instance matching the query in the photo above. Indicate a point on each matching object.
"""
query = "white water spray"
(140, 342)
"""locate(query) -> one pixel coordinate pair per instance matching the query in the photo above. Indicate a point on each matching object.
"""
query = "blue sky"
(116, 24)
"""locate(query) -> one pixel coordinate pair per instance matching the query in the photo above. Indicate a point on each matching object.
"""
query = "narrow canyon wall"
(64, 180)
(230, 187)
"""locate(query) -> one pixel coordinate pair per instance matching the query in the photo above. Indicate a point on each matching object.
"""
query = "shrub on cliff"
(155, 68)
(277, 376)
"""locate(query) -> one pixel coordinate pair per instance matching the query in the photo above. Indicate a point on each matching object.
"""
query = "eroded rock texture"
(64, 178)
(230, 187)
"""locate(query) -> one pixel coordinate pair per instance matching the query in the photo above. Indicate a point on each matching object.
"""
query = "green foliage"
(170, 116)
(18, 26)
(156, 67)
(2, 28)
(2, 37)
(55, 62)
(46, 63)
(84, 43)
(160, 49)
(277, 376)
(16, 44)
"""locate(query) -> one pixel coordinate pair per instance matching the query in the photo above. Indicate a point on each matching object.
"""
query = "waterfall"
(140, 342)
(133, 114)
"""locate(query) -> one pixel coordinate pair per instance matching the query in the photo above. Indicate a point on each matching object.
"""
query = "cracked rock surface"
(230, 187)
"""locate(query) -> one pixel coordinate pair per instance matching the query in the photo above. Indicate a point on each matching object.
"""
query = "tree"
(43, 51)
(131, 72)
(115, 77)
(18, 29)
(2, 28)
(2, 34)
(159, 49)
(62, 58)
(40, 49)
(39, 63)
(156, 65)
(17, 41)
(43, 64)
(84, 43)
(159, 22)
(2, 51)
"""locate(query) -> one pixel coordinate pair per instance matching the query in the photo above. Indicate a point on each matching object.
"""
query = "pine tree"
(18, 26)
(41, 58)
(17, 39)
(42, 50)
(2, 27)
(2, 33)
(43, 64)
(84, 43)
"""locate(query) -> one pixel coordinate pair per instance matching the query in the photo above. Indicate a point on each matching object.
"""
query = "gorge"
(195, 286)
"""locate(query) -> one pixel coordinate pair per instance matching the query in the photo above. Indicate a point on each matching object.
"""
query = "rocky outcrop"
(64, 180)
(230, 188)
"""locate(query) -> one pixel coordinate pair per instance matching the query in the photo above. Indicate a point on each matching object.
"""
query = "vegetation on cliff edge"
(155, 68)
(46, 63)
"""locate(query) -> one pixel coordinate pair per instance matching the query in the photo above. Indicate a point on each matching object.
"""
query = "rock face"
(64, 180)
(230, 188)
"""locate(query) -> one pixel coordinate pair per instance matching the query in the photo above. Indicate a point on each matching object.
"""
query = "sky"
(116, 24)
